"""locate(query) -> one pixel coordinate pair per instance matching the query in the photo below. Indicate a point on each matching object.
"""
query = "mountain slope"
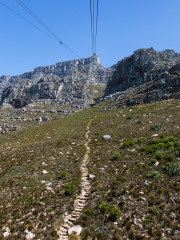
(130, 196)
(75, 82)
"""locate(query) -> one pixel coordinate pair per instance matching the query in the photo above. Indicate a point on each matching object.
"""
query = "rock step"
(67, 226)
(80, 201)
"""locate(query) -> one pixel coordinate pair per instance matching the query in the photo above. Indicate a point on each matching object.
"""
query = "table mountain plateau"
(74, 82)
(145, 76)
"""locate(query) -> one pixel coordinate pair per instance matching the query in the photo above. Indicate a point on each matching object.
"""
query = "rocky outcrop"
(5, 128)
(64, 83)
(4, 82)
(143, 66)
(144, 77)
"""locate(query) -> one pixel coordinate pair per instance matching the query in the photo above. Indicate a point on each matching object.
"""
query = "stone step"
(72, 219)
(67, 226)
(63, 230)
(63, 237)
(80, 205)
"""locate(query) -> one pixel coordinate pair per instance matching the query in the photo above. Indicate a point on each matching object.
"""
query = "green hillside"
(131, 197)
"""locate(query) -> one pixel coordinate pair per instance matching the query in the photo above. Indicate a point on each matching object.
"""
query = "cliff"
(70, 82)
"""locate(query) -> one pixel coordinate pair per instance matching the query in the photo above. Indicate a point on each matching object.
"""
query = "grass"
(27, 194)
(124, 203)
(124, 183)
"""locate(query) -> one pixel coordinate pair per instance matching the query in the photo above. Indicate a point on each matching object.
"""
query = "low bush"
(114, 214)
(116, 156)
(60, 143)
(69, 189)
(104, 207)
(159, 155)
(152, 174)
(131, 143)
(169, 157)
(173, 169)
(153, 161)
(139, 140)
(62, 174)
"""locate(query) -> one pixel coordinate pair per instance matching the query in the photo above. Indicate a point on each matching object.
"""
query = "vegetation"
(130, 198)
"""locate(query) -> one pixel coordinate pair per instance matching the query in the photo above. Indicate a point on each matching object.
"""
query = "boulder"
(77, 229)
(106, 137)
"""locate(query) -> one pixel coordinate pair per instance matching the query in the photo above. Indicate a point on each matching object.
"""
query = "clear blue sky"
(124, 26)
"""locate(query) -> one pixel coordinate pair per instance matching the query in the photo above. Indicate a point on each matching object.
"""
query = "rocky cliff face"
(4, 82)
(143, 66)
(64, 83)
(145, 76)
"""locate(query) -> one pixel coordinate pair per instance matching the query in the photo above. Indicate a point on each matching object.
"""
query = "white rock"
(6, 234)
(44, 172)
(91, 176)
(155, 135)
(156, 164)
(30, 236)
(77, 229)
(106, 137)
(6, 229)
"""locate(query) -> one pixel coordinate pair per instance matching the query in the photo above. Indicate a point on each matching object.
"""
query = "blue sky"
(124, 26)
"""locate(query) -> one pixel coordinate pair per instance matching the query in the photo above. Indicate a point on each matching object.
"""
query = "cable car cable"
(17, 14)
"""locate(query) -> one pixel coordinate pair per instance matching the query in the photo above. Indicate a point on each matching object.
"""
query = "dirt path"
(80, 201)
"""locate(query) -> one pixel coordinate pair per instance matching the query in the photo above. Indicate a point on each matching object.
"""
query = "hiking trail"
(80, 201)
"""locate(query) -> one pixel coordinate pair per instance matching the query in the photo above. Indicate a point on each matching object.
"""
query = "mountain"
(145, 76)
(72, 82)
(109, 172)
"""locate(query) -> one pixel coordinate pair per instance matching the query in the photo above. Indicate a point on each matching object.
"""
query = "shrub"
(62, 174)
(169, 145)
(169, 157)
(116, 156)
(153, 161)
(69, 189)
(89, 212)
(168, 139)
(139, 140)
(162, 136)
(154, 141)
(152, 210)
(152, 174)
(159, 155)
(171, 150)
(60, 143)
(155, 127)
(125, 144)
(143, 149)
(151, 149)
(104, 207)
(128, 144)
(177, 143)
(131, 143)
(160, 146)
(114, 214)
(168, 164)
(173, 169)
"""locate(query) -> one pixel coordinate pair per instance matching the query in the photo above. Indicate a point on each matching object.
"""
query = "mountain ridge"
(79, 82)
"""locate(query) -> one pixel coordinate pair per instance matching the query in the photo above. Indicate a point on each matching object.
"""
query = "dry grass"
(148, 207)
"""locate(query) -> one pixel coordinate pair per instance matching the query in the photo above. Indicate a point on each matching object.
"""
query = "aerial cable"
(70, 50)
(37, 19)
(91, 23)
(17, 14)
(46, 28)
(93, 26)
(97, 23)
